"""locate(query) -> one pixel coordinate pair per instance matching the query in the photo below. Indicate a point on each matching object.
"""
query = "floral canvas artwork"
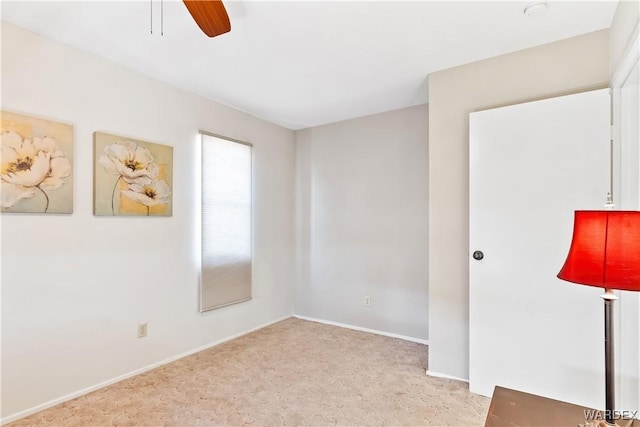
(36, 165)
(132, 177)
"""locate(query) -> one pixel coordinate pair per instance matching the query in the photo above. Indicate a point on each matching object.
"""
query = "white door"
(531, 166)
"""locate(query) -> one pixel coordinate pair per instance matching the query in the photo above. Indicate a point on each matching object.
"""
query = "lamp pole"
(610, 401)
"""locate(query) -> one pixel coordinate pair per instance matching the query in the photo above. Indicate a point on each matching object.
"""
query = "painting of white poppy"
(132, 177)
(36, 165)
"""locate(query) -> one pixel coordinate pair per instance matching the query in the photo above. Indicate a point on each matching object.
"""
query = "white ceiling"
(303, 63)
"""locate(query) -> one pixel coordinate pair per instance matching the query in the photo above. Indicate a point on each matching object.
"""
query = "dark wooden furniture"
(511, 408)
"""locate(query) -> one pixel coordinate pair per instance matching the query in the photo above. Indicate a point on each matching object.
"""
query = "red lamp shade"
(605, 250)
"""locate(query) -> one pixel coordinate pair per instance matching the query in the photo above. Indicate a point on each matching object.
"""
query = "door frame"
(625, 366)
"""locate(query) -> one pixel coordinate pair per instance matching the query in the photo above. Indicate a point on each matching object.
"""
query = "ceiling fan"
(210, 15)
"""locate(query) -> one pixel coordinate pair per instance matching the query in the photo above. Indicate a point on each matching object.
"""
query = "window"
(225, 276)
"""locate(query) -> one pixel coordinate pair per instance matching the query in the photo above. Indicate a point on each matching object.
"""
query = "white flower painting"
(132, 177)
(35, 165)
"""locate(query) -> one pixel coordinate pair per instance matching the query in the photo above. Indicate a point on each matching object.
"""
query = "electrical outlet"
(367, 301)
(142, 330)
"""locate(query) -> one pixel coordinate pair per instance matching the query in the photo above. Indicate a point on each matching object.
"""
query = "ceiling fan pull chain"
(162, 18)
(151, 15)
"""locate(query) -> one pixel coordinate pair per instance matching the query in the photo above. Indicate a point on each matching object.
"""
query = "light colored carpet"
(294, 372)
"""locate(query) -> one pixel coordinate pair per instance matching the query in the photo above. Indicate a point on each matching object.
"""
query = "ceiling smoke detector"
(536, 9)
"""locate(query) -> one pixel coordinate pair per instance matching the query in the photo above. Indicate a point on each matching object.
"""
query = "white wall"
(74, 287)
(362, 222)
(568, 66)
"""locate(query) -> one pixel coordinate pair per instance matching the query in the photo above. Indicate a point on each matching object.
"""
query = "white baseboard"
(358, 328)
(49, 404)
(448, 377)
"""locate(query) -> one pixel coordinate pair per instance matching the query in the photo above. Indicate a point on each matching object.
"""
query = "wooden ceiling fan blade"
(210, 15)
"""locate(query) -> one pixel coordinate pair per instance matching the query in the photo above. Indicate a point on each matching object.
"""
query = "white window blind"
(225, 276)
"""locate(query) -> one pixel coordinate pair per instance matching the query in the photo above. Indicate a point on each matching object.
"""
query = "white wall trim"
(630, 58)
(358, 328)
(70, 396)
(445, 376)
